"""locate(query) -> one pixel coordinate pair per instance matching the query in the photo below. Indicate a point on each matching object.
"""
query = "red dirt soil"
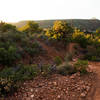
(59, 87)
(55, 87)
(95, 91)
(51, 51)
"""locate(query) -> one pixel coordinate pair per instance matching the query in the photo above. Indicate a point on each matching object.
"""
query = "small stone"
(64, 89)
(49, 83)
(24, 83)
(74, 60)
(31, 90)
(83, 95)
(78, 88)
(87, 88)
(55, 83)
(78, 74)
(90, 66)
(32, 96)
(58, 96)
(66, 92)
(72, 77)
(66, 80)
(25, 95)
(84, 87)
(36, 90)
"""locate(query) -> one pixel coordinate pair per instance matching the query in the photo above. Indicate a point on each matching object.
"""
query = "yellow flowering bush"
(59, 31)
(99, 40)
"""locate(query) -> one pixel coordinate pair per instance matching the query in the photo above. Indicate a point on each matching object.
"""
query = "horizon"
(51, 20)
(19, 10)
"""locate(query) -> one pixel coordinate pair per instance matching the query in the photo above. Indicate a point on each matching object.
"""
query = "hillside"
(84, 24)
(31, 64)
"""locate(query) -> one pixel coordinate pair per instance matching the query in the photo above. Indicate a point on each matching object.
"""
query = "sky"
(17, 10)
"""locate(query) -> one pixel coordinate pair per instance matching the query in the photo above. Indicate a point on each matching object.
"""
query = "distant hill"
(83, 24)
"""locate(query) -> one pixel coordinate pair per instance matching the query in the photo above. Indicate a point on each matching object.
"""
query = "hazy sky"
(16, 10)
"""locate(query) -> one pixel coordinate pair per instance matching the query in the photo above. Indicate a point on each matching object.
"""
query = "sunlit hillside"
(79, 23)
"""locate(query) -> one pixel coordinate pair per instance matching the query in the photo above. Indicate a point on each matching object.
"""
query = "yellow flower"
(54, 36)
(98, 40)
(87, 36)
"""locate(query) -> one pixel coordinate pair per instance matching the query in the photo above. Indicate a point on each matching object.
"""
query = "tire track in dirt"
(95, 91)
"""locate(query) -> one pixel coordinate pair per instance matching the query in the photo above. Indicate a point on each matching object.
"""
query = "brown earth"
(95, 66)
(51, 51)
(95, 91)
(55, 87)
(58, 87)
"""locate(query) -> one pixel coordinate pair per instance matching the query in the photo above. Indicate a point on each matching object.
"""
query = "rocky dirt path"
(55, 87)
(95, 91)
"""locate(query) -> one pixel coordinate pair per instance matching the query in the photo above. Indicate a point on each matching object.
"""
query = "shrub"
(20, 72)
(10, 77)
(6, 27)
(42, 37)
(60, 31)
(93, 53)
(8, 57)
(65, 69)
(25, 73)
(93, 58)
(81, 66)
(58, 60)
(46, 70)
(80, 38)
(33, 49)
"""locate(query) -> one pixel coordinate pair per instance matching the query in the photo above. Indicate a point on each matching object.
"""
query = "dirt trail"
(70, 47)
(51, 51)
(95, 91)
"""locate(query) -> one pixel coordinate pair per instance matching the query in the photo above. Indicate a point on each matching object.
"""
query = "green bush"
(57, 60)
(81, 66)
(26, 73)
(65, 69)
(33, 49)
(6, 27)
(93, 58)
(10, 77)
(46, 70)
(8, 57)
(20, 73)
(81, 39)
(93, 53)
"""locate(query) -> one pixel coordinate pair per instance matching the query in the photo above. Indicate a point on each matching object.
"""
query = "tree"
(31, 27)
(60, 31)
(81, 38)
(4, 27)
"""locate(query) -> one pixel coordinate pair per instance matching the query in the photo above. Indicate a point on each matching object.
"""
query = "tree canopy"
(31, 27)
(6, 27)
(60, 31)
